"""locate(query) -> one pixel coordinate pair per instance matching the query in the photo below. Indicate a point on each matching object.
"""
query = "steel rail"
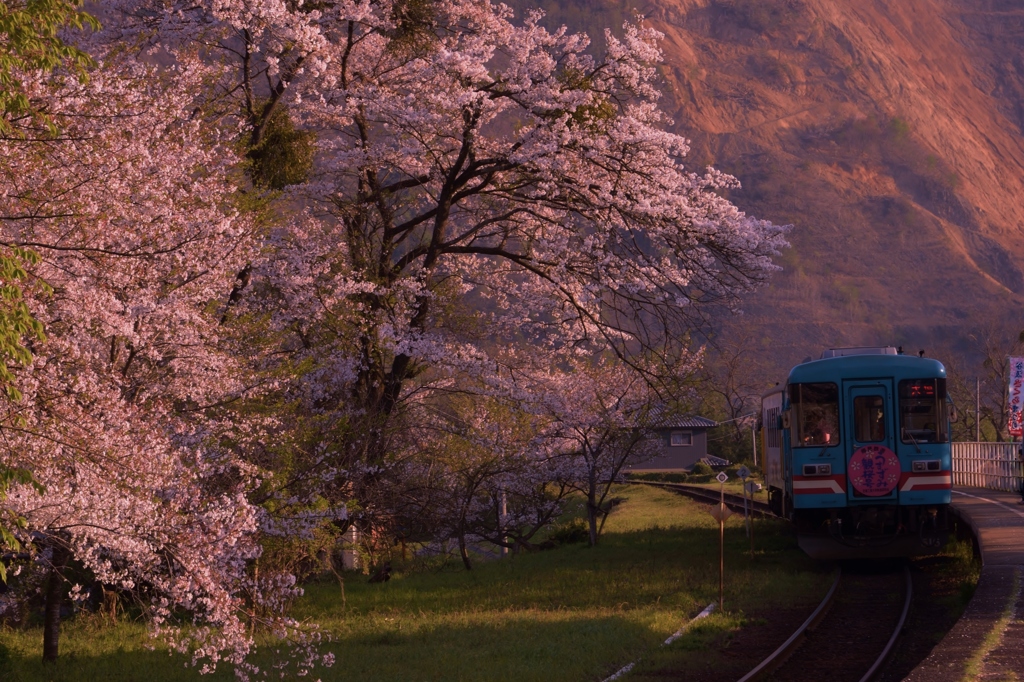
(733, 501)
(780, 654)
(896, 633)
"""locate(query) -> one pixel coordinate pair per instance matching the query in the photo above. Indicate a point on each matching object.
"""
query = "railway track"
(711, 496)
(851, 634)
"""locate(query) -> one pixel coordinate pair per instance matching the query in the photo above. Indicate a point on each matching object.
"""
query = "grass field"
(571, 613)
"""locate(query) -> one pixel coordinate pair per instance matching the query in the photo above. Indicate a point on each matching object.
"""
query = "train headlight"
(817, 469)
(926, 465)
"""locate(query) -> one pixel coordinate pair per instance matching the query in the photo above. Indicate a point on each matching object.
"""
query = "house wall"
(677, 457)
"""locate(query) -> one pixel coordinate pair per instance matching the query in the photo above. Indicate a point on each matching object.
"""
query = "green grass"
(572, 613)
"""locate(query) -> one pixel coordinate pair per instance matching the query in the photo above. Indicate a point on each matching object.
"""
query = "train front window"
(816, 413)
(923, 411)
(869, 418)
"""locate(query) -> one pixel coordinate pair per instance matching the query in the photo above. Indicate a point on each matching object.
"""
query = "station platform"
(987, 643)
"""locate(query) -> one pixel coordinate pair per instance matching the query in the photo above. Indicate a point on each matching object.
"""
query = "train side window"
(815, 413)
(869, 418)
(923, 411)
(774, 431)
(770, 424)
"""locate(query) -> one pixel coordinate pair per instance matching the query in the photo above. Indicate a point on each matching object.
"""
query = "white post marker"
(721, 513)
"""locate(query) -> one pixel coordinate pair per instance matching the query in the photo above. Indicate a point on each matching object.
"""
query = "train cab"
(857, 453)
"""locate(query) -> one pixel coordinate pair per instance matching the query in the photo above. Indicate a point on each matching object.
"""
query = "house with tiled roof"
(684, 441)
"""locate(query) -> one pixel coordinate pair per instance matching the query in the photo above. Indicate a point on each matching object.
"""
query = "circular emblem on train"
(874, 470)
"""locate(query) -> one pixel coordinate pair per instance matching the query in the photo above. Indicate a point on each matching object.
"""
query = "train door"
(873, 469)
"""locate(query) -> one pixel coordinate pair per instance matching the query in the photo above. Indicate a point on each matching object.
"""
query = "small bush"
(733, 470)
(702, 469)
(899, 127)
(570, 532)
(661, 477)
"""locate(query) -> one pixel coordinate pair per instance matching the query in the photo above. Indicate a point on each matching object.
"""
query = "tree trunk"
(464, 552)
(51, 613)
(592, 509)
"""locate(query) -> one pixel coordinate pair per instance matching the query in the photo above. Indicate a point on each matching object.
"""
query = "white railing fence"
(987, 465)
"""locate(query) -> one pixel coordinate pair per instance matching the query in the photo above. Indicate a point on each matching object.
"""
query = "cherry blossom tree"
(32, 41)
(468, 158)
(140, 238)
(434, 193)
(599, 412)
(29, 41)
(455, 188)
(485, 475)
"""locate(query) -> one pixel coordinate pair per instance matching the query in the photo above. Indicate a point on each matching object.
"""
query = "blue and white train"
(857, 453)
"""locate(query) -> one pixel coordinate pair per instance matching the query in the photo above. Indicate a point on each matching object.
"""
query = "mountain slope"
(888, 133)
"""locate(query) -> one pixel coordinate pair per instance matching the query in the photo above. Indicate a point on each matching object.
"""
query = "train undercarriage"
(867, 531)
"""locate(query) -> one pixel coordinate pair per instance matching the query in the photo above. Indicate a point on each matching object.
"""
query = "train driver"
(817, 430)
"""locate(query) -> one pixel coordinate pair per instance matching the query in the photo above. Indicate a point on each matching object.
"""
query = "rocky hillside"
(889, 133)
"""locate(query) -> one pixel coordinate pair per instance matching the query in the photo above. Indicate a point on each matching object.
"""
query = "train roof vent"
(864, 350)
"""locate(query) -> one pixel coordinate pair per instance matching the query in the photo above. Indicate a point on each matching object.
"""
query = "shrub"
(702, 469)
(569, 532)
(659, 477)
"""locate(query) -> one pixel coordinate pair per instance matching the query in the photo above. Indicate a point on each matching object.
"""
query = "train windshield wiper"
(906, 432)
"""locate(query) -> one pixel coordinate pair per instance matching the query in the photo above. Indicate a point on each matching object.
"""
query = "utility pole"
(753, 442)
(977, 410)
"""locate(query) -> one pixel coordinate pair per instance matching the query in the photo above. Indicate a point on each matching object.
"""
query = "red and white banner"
(1016, 397)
